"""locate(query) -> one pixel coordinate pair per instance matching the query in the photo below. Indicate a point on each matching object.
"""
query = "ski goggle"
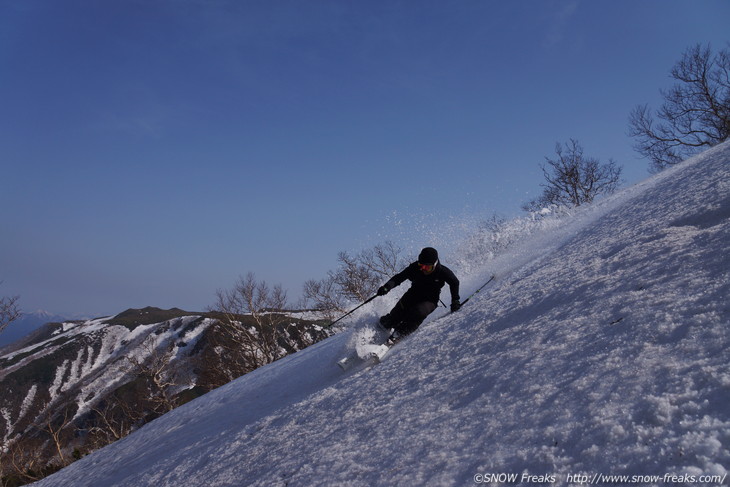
(426, 267)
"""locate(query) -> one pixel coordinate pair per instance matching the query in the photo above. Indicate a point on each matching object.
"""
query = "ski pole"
(483, 286)
(470, 296)
(351, 311)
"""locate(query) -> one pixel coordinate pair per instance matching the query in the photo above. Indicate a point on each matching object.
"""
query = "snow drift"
(602, 349)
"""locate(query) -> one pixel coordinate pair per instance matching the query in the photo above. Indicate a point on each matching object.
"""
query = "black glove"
(455, 305)
(383, 290)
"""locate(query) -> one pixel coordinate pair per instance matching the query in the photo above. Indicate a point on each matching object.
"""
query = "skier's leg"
(395, 316)
(413, 317)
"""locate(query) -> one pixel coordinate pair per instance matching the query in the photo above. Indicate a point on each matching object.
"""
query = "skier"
(427, 276)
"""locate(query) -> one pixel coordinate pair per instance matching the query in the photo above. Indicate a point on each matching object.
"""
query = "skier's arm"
(395, 281)
(453, 283)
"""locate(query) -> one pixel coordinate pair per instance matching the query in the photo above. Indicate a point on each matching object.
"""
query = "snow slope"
(601, 349)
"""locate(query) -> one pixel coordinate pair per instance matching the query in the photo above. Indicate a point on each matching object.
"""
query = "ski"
(378, 353)
(375, 354)
(347, 362)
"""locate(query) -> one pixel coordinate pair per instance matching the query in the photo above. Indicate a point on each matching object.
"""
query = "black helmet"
(428, 256)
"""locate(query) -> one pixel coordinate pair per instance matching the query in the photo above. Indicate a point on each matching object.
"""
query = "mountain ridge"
(76, 385)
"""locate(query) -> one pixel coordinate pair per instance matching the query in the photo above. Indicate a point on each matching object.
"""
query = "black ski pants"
(407, 315)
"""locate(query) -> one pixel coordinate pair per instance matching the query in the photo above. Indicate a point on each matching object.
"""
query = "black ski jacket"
(425, 287)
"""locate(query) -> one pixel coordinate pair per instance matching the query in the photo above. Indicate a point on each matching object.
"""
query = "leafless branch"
(356, 278)
(572, 179)
(252, 322)
(9, 310)
(695, 113)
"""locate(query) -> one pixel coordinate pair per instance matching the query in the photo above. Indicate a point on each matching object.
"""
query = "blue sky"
(153, 151)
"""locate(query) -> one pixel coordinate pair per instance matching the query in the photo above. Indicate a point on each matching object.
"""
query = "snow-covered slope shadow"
(606, 354)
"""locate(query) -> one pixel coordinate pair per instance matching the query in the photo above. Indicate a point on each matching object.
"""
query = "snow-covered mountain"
(80, 362)
(601, 349)
(26, 324)
(83, 384)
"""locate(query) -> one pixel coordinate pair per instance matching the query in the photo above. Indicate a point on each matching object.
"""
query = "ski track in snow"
(601, 348)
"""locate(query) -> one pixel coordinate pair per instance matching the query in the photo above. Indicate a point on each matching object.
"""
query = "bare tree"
(57, 430)
(9, 310)
(160, 374)
(252, 322)
(22, 462)
(356, 279)
(158, 378)
(115, 419)
(572, 179)
(33, 456)
(383, 260)
(323, 295)
(695, 113)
